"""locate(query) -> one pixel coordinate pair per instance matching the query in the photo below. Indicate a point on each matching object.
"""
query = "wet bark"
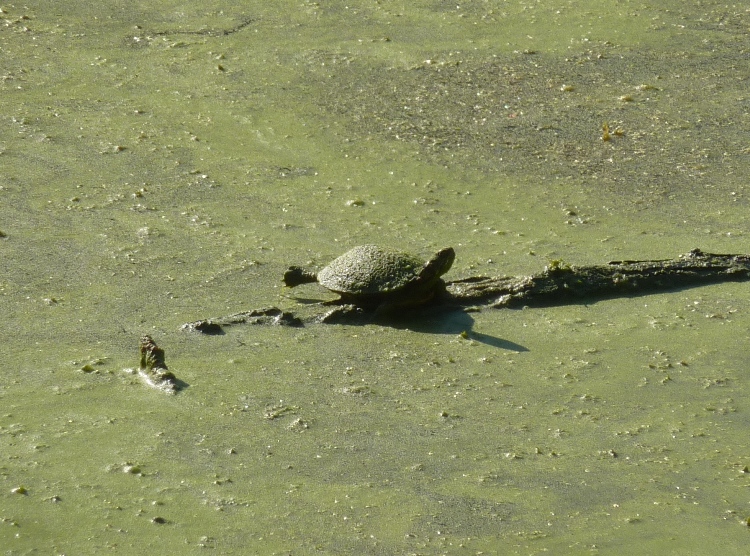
(560, 283)
(153, 369)
(557, 284)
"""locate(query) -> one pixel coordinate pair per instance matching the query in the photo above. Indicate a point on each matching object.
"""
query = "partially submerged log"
(557, 284)
(560, 283)
(267, 316)
(153, 369)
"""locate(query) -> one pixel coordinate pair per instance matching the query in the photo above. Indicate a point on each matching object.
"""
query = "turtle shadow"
(444, 320)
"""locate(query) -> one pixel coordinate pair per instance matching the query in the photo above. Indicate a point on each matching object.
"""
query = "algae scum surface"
(166, 161)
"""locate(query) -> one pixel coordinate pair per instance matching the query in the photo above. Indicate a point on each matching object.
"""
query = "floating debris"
(298, 425)
(153, 370)
(131, 469)
(278, 410)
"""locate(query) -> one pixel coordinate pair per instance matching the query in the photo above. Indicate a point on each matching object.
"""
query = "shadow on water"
(435, 319)
(445, 320)
(180, 385)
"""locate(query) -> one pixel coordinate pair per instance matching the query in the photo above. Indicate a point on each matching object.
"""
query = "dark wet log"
(560, 283)
(269, 315)
(153, 370)
(152, 356)
(557, 284)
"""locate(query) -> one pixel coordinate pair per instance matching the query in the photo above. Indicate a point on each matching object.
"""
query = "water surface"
(165, 161)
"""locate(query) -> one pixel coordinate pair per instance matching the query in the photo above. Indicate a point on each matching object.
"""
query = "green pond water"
(165, 161)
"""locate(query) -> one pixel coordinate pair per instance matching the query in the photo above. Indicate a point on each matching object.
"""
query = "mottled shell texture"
(370, 270)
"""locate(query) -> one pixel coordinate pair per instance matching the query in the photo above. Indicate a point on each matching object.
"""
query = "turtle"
(380, 278)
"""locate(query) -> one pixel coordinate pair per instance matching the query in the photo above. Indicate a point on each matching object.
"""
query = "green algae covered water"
(166, 161)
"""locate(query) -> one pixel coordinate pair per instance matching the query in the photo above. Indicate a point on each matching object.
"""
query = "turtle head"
(294, 276)
(439, 264)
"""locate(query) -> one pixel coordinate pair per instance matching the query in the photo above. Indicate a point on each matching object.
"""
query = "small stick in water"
(153, 369)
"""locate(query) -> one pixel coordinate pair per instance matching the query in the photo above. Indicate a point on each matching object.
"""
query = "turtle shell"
(369, 270)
